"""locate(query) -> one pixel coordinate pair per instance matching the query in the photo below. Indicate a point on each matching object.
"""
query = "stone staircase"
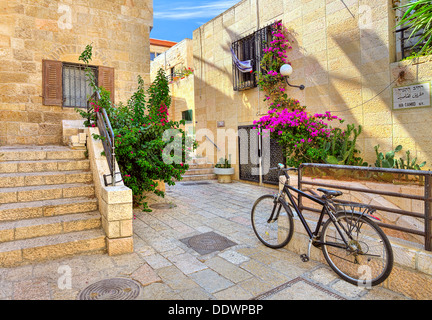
(48, 207)
(199, 172)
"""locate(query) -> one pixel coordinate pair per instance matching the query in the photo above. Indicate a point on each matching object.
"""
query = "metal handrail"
(426, 197)
(212, 142)
(108, 140)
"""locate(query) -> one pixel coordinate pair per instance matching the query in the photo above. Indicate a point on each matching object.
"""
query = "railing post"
(428, 212)
(299, 182)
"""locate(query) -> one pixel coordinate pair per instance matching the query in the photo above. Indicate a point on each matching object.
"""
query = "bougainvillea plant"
(303, 135)
(150, 149)
(269, 78)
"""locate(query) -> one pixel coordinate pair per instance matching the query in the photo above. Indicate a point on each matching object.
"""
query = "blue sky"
(176, 20)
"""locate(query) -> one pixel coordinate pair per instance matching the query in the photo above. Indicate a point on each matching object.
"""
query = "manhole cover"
(162, 206)
(208, 242)
(111, 289)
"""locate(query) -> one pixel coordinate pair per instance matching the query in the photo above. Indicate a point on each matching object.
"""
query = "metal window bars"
(76, 88)
(408, 43)
(252, 48)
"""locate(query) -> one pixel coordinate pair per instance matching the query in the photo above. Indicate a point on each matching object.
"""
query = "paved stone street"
(167, 268)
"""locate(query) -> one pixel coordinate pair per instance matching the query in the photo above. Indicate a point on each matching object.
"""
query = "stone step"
(48, 226)
(46, 208)
(199, 177)
(198, 171)
(22, 252)
(34, 153)
(22, 179)
(48, 192)
(201, 166)
(43, 166)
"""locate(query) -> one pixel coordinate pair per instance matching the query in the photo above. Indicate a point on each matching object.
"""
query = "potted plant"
(224, 171)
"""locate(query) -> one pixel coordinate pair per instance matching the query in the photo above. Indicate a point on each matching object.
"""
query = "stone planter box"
(224, 174)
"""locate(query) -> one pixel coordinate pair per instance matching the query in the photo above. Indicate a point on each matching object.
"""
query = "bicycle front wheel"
(365, 258)
(271, 223)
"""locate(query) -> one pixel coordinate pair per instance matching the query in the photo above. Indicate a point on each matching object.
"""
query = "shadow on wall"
(351, 77)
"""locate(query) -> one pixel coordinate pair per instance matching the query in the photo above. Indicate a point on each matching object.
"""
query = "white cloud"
(188, 10)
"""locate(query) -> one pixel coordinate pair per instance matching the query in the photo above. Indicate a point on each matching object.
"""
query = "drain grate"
(208, 242)
(194, 183)
(162, 206)
(111, 289)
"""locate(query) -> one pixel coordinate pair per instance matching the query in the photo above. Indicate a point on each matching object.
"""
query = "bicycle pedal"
(304, 258)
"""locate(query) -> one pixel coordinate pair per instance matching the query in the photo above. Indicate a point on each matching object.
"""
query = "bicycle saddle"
(330, 193)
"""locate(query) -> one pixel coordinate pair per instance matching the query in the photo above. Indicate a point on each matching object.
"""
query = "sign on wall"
(414, 96)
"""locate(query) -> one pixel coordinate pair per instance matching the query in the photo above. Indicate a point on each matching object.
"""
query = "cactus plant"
(341, 150)
(410, 164)
(387, 160)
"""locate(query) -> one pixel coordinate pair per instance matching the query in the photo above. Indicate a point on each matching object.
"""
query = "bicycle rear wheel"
(271, 223)
(367, 260)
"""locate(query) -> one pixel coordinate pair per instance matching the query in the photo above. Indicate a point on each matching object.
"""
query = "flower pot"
(224, 174)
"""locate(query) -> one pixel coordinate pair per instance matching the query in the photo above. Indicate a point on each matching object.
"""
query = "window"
(252, 48)
(76, 88)
(153, 55)
(187, 116)
(64, 84)
(406, 43)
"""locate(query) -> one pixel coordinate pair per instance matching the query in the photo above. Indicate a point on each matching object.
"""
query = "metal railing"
(107, 136)
(408, 44)
(426, 197)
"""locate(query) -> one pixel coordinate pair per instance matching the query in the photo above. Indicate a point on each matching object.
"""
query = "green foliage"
(408, 163)
(149, 147)
(418, 17)
(224, 163)
(269, 78)
(386, 160)
(389, 161)
(341, 148)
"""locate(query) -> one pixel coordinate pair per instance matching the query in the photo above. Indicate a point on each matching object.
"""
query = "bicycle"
(353, 245)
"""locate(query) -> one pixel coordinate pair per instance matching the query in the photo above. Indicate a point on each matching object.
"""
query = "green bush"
(148, 146)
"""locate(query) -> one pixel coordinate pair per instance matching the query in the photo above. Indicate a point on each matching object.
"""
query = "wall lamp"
(286, 70)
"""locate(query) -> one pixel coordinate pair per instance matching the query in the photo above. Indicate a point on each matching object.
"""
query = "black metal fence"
(425, 177)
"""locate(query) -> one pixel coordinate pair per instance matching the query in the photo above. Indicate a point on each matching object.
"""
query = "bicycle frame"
(325, 211)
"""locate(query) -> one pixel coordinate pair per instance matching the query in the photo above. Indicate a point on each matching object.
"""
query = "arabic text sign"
(414, 96)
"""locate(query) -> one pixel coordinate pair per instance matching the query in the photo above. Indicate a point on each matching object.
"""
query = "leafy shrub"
(149, 146)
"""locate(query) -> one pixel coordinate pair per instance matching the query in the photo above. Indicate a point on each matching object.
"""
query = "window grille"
(76, 88)
(252, 48)
(408, 44)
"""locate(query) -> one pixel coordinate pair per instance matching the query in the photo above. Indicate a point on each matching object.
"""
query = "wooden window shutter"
(106, 80)
(52, 83)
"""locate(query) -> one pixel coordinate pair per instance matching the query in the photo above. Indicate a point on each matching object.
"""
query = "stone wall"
(31, 31)
(182, 90)
(344, 56)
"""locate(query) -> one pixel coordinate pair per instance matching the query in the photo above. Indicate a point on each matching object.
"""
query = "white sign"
(415, 96)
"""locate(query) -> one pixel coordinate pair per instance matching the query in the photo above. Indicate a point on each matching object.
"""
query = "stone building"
(158, 47)
(348, 56)
(41, 79)
(178, 64)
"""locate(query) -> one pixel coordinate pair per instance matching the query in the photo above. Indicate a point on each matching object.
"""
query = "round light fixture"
(286, 70)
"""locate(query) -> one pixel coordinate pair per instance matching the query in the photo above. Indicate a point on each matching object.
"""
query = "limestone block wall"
(345, 56)
(182, 90)
(31, 31)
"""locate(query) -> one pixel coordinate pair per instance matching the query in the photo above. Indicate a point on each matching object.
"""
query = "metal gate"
(256, 156)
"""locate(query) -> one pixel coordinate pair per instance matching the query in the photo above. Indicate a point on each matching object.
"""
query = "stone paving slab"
(168, 269)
